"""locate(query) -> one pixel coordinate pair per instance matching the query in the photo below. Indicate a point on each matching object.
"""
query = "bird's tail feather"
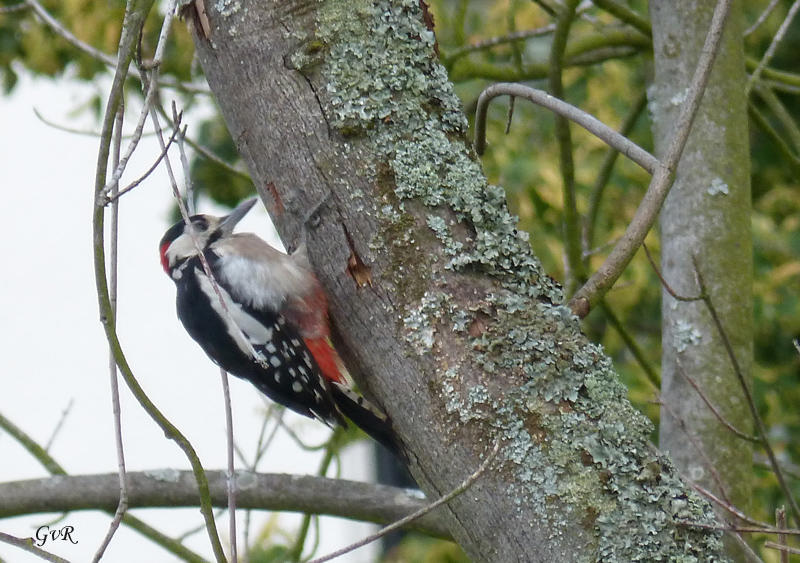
(367, 417)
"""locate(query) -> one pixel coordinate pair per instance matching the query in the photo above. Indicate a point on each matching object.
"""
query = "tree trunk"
(706, 218)
(456, 330)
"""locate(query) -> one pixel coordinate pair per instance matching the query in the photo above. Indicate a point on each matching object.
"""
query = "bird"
(262, 316)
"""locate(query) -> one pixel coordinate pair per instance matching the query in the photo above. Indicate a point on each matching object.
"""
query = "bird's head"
(182, 240)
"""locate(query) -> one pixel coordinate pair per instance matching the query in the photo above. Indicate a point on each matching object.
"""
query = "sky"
(54, 355)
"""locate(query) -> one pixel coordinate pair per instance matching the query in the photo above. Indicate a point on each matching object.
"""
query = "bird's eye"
(200, 225)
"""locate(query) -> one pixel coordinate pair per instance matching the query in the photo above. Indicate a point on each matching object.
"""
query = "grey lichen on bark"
(462, 337)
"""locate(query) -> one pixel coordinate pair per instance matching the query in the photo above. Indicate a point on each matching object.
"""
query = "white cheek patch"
(181, 248)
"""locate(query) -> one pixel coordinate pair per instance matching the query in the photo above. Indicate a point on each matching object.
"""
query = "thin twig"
(74, 130)
(104, 58)
(570, 218)
(113, 197)
(511, 100)
(718, 415)
(296, 552)
(14, 8)
(650, 373)
(411, 517)
(767, 128)
(745, 529)
(625, 14)
(31, 446)
(27, 545)
(150, 87)
(748, 552)
(605, 133)
(789, 468)
(122, 506)
(698, 447)
(664, 282)
(135, 15)
(449, 58)
(784, 549)
(657, 191)
(762, 434)
(59, 424)
(187, 176)
(780, 522)
(180, 200)
(783, 115)
(67, 35)
(226, 394)
(761, 18)
(760, 427)
(727, 506)
(776, 40)
(294, 436)
(604, 172)
(206, 152)
(54, 468)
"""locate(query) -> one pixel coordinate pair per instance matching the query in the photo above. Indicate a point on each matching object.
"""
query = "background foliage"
(609, 66)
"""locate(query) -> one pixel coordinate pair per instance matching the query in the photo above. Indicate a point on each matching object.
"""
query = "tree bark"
(706, 219)
(342, 109)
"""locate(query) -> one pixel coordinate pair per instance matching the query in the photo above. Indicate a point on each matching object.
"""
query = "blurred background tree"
(608, 67)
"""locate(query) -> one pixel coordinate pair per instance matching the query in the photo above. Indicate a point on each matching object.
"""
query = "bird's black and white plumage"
(264, 318)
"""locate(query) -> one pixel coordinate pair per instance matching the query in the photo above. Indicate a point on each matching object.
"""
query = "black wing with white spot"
(256, 345)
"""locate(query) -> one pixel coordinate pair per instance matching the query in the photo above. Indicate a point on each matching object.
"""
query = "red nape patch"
(164, 259)
(325, 356)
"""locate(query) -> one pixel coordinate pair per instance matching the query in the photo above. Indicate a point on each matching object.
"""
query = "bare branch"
(67, 35)
(698, 447)
(104, 58)
(760, 427)
(661, 182)
(784, 549)
(625, 14)
(14, 8)
(604, 173)
(727, 506)
(761, 18)
(713, 409)
(466, 484)
(27, 545)
(113, 197)
(585, 120)
(122, 506)
(664, 283)
(776, 40)
(780, 520)
(745, 529)
(573, 259)
(53, 467)
(206, 152)
(172, 488)
(296, 552)
(59, 425)
(449, 58)
(231, 475)
(135, 15)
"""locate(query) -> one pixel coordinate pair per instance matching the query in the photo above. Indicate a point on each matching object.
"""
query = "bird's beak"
(228, 222)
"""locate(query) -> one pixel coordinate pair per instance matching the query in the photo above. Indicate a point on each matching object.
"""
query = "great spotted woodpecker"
(263, 319)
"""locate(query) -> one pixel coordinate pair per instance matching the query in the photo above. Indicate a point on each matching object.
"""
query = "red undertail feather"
(326, 357)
